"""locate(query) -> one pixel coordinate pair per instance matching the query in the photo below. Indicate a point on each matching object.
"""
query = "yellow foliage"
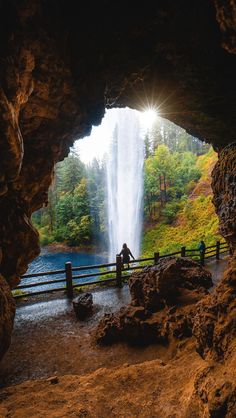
(196, 221)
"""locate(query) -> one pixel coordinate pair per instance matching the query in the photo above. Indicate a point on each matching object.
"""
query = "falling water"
(124, 168)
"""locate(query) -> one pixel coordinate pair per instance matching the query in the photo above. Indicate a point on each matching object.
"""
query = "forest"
(177, 206)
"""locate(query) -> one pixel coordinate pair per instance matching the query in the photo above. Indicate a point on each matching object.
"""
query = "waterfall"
(124, 170)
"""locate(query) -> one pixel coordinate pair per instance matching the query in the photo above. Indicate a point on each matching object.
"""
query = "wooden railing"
(115, 270)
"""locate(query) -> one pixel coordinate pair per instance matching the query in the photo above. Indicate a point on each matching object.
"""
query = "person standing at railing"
(126, 253)
(202, 247)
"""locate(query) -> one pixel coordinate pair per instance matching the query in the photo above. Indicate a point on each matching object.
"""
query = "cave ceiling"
(64, 61)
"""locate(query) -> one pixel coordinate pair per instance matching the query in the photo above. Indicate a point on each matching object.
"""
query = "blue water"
(56, 261)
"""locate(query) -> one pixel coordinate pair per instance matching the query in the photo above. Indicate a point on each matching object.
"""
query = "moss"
(18, 292)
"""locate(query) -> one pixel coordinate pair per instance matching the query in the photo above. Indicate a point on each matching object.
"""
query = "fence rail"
(118, 275)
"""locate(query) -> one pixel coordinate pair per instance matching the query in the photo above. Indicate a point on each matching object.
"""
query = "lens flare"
(148, 117)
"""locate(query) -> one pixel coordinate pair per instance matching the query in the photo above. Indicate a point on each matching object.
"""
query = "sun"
(148, 117)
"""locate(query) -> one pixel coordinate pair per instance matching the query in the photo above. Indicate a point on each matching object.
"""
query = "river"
(48, 261)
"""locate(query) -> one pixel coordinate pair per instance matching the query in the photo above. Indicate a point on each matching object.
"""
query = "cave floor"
(48, 339)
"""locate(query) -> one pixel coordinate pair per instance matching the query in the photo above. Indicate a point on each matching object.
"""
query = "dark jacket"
(125, 252)
(202, 246)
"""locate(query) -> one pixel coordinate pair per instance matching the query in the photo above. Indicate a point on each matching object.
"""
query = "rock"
(7, 313)
(132, 324)
(214, 324)
(226, 18)
(162, 284)
(83, 305)
(224, 190)
(53, 380)
(182, 327)
(215, 392)
(163, 299)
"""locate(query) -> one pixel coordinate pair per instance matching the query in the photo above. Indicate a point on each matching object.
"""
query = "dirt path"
(48, 339)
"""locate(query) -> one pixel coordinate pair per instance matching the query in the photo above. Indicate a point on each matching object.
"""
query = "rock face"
(214, 322)
(7, 313)
(149, 389)
(214, 328)
(162, 300)
(224, 189)
(226, 17)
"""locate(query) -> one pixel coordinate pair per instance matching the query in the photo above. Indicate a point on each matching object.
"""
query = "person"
(125, 252)
(202, 246)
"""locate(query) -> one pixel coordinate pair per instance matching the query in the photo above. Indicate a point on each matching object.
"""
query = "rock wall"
(7, 313)
(226, 17)
(41, 117)
(224, 190)
(215, 320)
(214, 324)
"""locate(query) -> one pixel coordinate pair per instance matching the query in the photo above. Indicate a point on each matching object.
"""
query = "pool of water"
(56, 261)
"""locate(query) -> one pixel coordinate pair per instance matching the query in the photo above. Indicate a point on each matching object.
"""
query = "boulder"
(132, 324)
(163, 300)
(83, 305)
(160, 285)
(137, 326)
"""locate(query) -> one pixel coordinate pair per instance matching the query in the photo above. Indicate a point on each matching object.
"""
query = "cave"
(63, 63)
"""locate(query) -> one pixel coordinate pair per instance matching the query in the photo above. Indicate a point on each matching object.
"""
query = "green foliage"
(44, 236)
(175, 138)
(168, 176)
(76, 210)
(186, 221)
(79, 231)
(170, 210)
(111, 274)
(69, 173)
(64, 209)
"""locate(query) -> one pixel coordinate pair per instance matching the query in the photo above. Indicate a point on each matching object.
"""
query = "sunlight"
(148, 117)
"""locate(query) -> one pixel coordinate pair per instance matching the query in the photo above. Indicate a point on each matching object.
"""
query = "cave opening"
(135, 170)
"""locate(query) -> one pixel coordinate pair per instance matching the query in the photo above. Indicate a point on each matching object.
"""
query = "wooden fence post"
(69, 285)
(217, 250)
(156, 257)
(202, 257)
(183, 251)
(118, 271)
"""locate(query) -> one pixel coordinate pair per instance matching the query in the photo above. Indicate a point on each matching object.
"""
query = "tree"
(69, 173)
